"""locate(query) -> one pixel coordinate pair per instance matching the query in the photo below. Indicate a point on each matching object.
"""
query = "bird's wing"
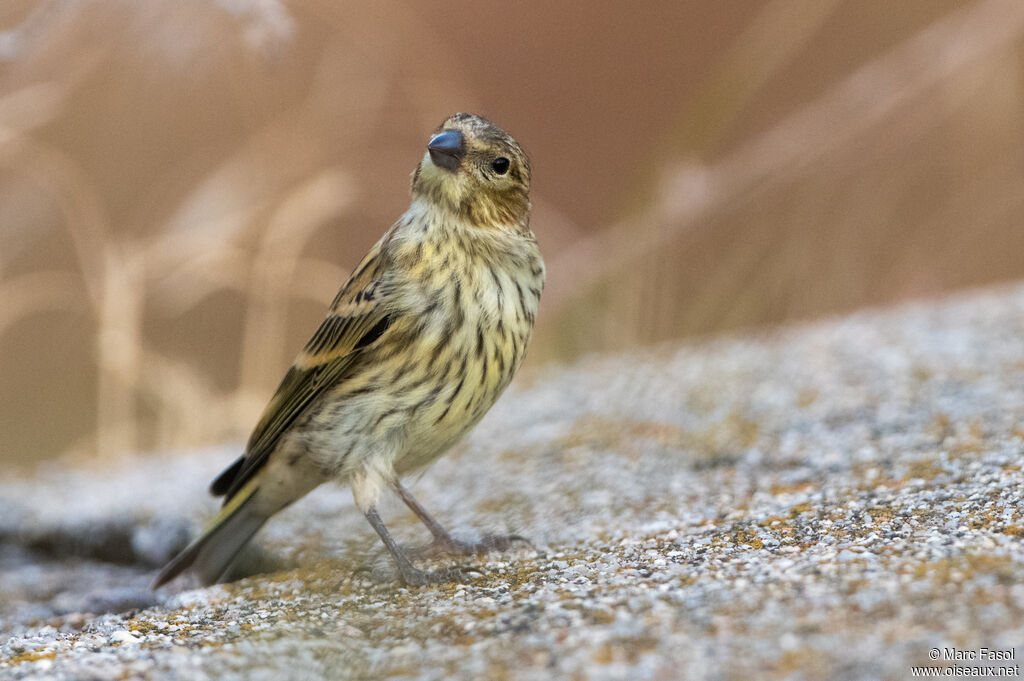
(359, 316)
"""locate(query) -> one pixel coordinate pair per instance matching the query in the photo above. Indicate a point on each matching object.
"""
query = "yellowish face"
(475, 170)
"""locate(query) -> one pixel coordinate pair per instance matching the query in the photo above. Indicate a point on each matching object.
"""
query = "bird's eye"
(500, 165)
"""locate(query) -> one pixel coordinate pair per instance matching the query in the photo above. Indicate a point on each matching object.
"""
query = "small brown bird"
(416, 347)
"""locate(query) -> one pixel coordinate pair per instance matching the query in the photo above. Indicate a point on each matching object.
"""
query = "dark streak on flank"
(389, 412)
(483, 373)
(479, 341)
(499, 357)
(458, 314)
(364, 390)
(417, 383)
(443, 413)
(438, 349)
(522, 301)
(498, 287)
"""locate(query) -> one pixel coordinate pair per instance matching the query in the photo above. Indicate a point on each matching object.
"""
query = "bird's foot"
(412, 576)
(448, 546)
(415, 577)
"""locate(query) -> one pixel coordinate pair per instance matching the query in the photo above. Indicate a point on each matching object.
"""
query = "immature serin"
(417, 346)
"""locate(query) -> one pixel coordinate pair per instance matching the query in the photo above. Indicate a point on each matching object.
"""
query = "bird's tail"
(213, 552)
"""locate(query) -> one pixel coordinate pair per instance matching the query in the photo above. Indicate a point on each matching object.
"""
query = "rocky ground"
(838, 500)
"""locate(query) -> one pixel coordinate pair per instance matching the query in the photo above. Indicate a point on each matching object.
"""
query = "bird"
(416, 347)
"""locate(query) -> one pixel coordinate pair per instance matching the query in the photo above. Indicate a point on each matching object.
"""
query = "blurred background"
(185, 183)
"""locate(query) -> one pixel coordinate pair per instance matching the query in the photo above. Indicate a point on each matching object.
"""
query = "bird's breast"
(471, 319)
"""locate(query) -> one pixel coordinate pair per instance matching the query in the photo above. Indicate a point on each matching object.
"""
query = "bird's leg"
(444, 544)
(441, 535)
(410, 575)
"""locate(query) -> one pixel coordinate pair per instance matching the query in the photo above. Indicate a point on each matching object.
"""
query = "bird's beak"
(447, 149)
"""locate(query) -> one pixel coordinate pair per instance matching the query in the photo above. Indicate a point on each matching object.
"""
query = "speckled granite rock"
(831, 501)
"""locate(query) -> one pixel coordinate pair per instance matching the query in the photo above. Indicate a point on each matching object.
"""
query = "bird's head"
(476, 170)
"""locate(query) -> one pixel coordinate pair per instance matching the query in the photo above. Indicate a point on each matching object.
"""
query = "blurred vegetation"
(184, 184)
